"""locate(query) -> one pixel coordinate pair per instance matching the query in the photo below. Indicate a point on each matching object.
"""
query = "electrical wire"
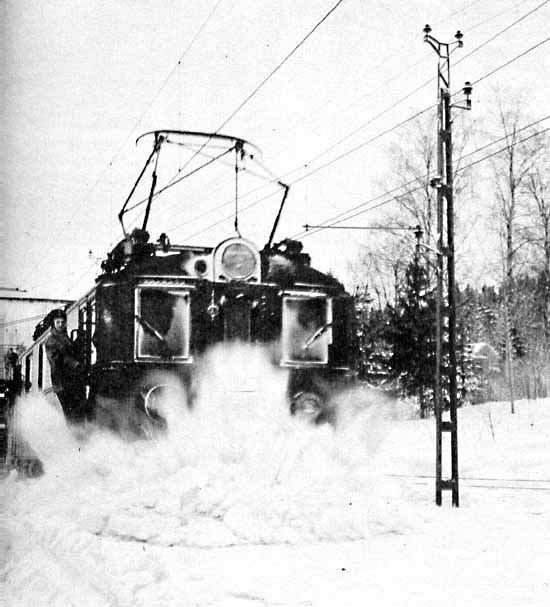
(254, 203)
(495, 16)
(421, 86)
(502, 31)
(273, 180)
(183, 177)
(343, 155)
(349, 135)
(259, 86)
(280, 65)
(523, 128)
(385, 111)
(148, 106)
(425, 83)
(414, 190)
(506, 147)
(172, 72)
(371, 140)
(404, 185)
(313, 171)
(502, 66)
(407, 192)
(424, 59)
(331, 221)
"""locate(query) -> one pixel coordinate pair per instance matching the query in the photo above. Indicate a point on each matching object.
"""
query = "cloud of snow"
(237, 468)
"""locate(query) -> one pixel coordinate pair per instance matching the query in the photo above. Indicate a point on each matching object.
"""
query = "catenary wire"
(388, 109)
(400, 187)
(502, 31)
(150, 103)
(330, 222)
(500, 67)
(362, 145)
(278, 67)
(412, 117)
(183, 177)
(416, 115)
(387, 131)
(241, 105)
(148, 106)
(262, 83)
(424, 59)
(349, 135)
(172, 72)
(425, 83)
(173, 181)
(418, 179)
(359, 146)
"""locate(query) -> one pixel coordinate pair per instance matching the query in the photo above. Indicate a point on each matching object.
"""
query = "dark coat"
(64, 364)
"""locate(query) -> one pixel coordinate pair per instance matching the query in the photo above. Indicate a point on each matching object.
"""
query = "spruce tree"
(413, 333)
(373, 351)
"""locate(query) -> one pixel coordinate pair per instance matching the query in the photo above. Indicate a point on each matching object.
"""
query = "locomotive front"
(167, 304)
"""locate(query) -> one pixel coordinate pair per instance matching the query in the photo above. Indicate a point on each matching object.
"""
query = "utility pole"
(443, 182)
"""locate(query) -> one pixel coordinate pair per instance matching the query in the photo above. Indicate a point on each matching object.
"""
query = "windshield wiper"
(316, 335)
(151, 330)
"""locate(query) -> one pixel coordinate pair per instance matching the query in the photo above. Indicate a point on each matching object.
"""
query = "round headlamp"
(238, 261)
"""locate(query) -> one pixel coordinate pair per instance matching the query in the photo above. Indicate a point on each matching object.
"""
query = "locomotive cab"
(163, 310)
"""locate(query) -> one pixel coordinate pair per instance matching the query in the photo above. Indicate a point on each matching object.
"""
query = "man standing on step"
(66, 370)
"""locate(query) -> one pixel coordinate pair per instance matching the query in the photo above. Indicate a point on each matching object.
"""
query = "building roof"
(16, 294)
(483, 349)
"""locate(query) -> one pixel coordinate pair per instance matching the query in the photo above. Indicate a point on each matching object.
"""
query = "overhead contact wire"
(115, 155)
(343, 155)
(266, 79)
(347, 153)
(330, 222)
(458, 11)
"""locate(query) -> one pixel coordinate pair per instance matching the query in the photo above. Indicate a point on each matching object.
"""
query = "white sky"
(82, 79)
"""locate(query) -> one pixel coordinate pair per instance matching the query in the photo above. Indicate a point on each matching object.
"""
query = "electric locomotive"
(159, 306)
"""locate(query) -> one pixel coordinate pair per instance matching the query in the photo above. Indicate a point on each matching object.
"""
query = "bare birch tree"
(537, 188)
(511, 174)
(511, 169)
(412, 165)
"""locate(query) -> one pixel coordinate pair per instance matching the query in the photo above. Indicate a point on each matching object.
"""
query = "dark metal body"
(122, 326)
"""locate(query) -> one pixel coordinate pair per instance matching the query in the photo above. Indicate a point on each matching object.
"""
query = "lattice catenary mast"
(443, 182)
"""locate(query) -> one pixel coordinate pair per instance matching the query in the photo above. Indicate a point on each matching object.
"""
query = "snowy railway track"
(513, 484)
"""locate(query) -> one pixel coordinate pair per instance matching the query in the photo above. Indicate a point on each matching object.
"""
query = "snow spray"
(235, 468)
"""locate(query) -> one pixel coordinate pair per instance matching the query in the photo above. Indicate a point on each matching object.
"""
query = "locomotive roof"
(135, 250)
(197, 144)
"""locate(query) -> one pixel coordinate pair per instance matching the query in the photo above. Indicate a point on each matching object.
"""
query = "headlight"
(238, 261)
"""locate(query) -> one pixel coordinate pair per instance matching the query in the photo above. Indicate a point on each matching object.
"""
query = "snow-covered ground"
(242, 505)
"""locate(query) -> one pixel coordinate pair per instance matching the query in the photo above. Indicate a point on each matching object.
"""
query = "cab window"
(306, 329)
(162, 322)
